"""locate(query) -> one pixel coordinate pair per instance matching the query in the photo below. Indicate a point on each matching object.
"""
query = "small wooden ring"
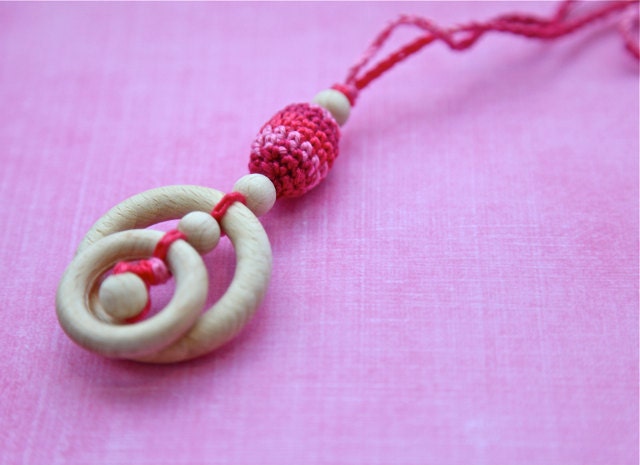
(232, 311)
(77, 310)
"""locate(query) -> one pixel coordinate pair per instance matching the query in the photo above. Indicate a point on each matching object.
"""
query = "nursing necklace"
(103, 299)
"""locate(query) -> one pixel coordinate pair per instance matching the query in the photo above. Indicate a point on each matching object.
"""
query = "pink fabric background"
(462, 289)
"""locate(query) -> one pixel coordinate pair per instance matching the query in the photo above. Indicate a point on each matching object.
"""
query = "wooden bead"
(202, 231)
(336, 103)
(123, 296)
(259, 192)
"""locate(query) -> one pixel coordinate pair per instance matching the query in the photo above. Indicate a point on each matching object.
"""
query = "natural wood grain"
(226, 317)
(202, 231)
(259, 192)
(123, 296)
(128, 341)
(336, 103)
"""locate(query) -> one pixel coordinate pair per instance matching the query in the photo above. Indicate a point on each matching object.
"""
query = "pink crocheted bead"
(296, 148)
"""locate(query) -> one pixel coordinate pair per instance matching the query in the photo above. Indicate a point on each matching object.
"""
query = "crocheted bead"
(296, 148)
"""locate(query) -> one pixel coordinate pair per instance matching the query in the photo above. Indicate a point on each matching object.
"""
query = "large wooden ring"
(79, 312)
(232, 311)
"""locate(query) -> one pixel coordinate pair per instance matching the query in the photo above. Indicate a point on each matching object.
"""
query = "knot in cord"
(152, 271)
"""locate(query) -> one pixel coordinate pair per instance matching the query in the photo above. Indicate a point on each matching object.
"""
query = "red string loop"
(163, 244)
(564, 21)
(225, 202)
(628, 28)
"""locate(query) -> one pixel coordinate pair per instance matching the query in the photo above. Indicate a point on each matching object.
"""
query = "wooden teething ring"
(218, 324)
(130, 341)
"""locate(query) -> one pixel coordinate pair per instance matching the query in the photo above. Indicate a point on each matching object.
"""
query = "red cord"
(628, 28)
(163, 244)
(462, 37)
(225, 202)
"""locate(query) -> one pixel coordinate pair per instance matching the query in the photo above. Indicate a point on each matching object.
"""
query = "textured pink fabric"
(461, 289)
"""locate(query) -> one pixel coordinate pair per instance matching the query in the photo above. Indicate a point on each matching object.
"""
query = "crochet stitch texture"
(296, 148)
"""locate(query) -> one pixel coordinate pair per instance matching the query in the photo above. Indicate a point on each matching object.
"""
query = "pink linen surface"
(462, 289)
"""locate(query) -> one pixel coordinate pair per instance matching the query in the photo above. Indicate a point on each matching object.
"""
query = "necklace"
(103, 299)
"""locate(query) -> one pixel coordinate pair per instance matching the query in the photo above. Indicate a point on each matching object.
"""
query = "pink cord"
(462, 37)
(628, 28)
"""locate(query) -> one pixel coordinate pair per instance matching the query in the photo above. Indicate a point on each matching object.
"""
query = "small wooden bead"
(123, 296)
(336, 103)
(202, 231)
(259, 192)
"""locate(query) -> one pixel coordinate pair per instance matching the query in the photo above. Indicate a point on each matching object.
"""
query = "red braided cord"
(144, 269)
(225, 202)
(628, 28)
(163, 244)
(464, 36)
